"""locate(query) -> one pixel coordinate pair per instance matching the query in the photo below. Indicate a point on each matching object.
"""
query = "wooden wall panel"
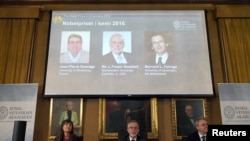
(232, 11)
(40, 2)
(37, 76)
(19, 12)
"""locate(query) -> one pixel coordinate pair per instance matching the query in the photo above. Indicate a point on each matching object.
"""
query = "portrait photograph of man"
(158, 48)
(75, 47)
(117, 47)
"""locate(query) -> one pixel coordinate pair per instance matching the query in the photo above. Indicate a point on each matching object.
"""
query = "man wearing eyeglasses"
(201, 133)
(75, 53)
(133, 132)
(117, 55)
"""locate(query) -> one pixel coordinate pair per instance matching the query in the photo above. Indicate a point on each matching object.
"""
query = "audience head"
(202, 125)
(66, 131)
(116, 44)
(133, 128)
(67, 126)
(74, 44)
(159, 44)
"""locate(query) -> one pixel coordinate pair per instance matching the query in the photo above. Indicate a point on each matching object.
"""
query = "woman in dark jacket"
(66, 132)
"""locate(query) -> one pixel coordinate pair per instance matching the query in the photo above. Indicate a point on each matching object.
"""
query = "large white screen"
(185, 35)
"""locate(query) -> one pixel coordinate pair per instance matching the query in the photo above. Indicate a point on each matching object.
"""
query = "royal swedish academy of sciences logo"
(229, 112)
(3, 112)
(177, 24)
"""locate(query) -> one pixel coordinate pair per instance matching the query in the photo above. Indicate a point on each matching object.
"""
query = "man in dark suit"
(161, 53)
(132, 132)
(132, 109)
(186, 121)
(201, 133)
(116, 54)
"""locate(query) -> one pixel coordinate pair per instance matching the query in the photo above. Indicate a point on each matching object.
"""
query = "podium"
(19, 131)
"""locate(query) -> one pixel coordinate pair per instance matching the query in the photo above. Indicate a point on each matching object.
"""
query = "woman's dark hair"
(60, 136)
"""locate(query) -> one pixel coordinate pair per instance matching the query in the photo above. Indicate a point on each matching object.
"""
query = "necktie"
(159, 60)
(203, 138)
(119, 58)
(69, 115)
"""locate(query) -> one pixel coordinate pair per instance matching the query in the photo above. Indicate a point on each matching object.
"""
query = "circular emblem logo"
(177, 24)
(57, 19)
(3, 112)
(229, 112)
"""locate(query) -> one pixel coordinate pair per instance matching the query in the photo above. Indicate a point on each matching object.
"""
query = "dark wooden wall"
(40, 2)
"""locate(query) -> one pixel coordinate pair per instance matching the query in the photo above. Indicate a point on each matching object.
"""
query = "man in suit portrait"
(75, 52)
(117, 54)
(186, 121)
(160, 47)
(201, 133)
(129, 110)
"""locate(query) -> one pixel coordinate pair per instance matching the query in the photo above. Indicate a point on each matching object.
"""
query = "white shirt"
(202, 136)
(164, 58)
(132, 139)
(74, 58)
(120, 59)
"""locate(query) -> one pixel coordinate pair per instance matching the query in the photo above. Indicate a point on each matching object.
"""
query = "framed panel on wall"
(185, 112)
(59, 108)
(115, 112)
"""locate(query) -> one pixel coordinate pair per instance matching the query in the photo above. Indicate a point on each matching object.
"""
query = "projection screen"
(83, 46)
